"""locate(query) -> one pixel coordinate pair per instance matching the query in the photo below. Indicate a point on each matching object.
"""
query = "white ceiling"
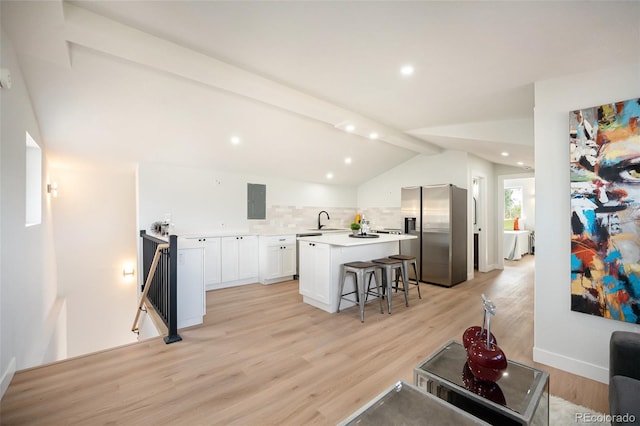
(172, 81)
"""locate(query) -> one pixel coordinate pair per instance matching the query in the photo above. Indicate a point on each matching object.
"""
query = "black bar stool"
(406, 261)
(386, 266)
(360, 271)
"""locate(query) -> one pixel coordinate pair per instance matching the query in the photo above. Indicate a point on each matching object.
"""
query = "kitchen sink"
(329, 229)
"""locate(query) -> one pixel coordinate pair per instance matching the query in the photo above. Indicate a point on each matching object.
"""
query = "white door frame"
(481, 220)
(500, 215)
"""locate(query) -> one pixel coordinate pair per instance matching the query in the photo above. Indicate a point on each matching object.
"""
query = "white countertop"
(344, 240)
(295, 231)
(217, 234)
(266, 232)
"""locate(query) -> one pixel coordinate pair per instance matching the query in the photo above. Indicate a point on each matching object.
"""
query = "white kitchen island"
(321, 258)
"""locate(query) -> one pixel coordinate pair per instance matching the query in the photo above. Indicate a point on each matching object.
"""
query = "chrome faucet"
(328, 218)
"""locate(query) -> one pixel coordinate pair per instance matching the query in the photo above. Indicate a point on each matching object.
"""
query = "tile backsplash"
(283, 217)
(296, 218)
(383, 217)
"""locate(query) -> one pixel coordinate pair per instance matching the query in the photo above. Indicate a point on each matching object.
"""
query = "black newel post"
(172, 322)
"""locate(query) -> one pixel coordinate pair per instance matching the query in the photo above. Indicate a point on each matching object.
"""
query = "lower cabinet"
(228, 261)
(248, 258)
(239, 259)
(191, 294)
(277, 258)
(315, 267)
(212, 276)
(211, 246)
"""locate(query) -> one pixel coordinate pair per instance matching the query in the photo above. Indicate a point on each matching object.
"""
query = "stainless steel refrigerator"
(437, 215)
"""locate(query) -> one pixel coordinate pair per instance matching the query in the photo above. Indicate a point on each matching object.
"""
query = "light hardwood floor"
(264, 357)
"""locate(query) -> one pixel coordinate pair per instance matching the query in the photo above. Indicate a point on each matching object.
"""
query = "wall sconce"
(52, 188)
(128, 272)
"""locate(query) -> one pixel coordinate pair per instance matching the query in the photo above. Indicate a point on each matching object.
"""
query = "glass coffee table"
(520, 397)
(405, 404)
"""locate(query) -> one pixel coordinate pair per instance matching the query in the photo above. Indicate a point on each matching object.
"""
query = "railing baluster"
(163, 285)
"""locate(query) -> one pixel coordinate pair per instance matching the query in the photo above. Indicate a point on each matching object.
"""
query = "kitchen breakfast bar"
(321, 258)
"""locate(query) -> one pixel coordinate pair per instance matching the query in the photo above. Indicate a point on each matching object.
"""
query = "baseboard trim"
(253, 280)
(488, 268)
(7, 376)
(571, 365)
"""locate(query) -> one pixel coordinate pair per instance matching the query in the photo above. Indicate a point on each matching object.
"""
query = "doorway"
(478, 222)
(516, 216)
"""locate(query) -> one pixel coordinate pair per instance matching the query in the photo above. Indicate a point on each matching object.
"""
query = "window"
(33, 182)
(512, 206)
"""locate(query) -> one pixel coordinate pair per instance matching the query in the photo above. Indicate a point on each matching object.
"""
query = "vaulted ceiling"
(175, 81)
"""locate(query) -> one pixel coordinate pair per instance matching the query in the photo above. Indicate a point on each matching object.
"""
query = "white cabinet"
(239, 259)
(248, 258)
(315, 267)
(289, 260)
(191, 294)
(229, 258)
(211, 246)
(277, 258)
(211, 261)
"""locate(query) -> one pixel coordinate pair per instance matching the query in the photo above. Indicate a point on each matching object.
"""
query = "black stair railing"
(160, 287)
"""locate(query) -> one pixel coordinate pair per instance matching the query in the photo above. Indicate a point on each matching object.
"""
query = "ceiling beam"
(93, 31)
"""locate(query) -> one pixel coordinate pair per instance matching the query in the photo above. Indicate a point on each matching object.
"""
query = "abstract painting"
(605, 210)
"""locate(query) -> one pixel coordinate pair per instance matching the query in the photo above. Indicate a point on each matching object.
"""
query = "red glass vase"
(474, 334)
(486, 362)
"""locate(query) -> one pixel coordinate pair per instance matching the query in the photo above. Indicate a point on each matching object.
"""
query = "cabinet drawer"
(278, 240)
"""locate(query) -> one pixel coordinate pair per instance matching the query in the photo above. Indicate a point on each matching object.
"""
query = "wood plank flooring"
(263, 357)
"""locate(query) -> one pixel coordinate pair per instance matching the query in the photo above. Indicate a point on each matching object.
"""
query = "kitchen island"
(321, 258)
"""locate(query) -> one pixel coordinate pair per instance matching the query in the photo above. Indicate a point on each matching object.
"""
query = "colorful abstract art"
(605, 210)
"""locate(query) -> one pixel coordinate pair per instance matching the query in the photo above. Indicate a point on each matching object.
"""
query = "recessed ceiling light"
(329, 175)
(235, 140)
(520, 163)
(504, 154)
(407, 70)
(350, 128)
(373, 135)
(347, 160)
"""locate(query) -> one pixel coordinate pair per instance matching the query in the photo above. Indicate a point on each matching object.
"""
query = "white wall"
(564, 339)
(384, 190)
(28, 288)
(203, 200)
(94, 218)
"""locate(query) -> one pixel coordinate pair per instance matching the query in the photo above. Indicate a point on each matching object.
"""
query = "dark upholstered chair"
(624, 377)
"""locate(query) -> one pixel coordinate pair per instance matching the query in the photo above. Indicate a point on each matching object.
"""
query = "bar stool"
(360, 271)
(386, 266)
(406, 261)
